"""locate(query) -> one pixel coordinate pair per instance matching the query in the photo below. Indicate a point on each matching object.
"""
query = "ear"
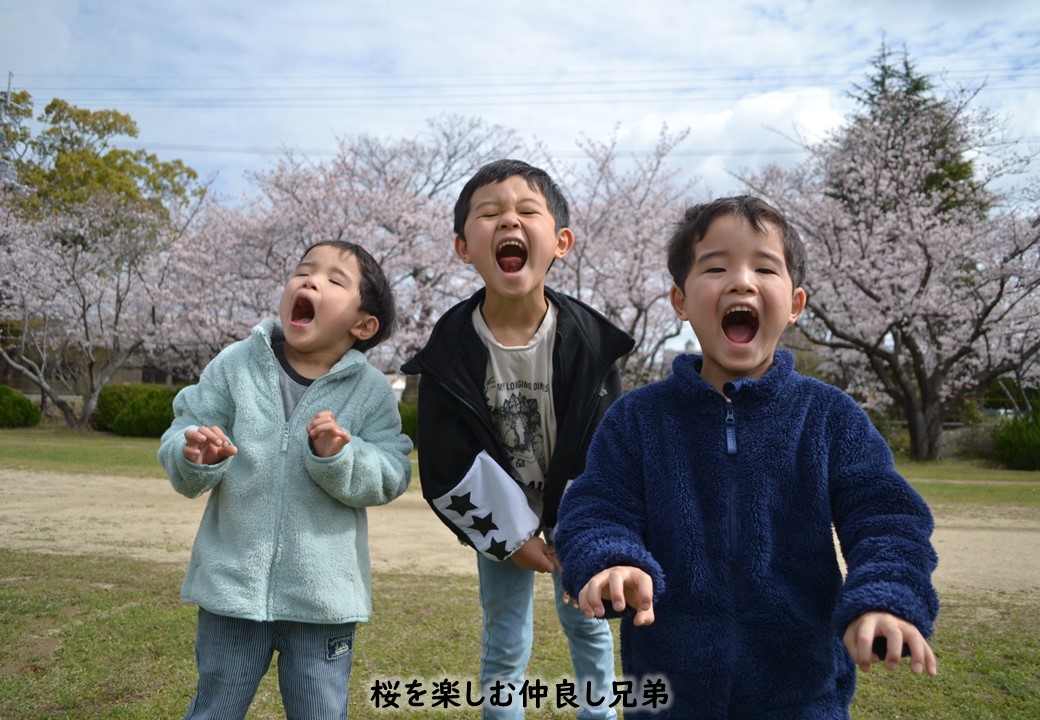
(678, 298)
(365, 328)
(462, 250)
(564, 243)
(798, 301)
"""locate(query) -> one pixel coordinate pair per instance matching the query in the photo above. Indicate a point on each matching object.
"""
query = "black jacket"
(463, 466)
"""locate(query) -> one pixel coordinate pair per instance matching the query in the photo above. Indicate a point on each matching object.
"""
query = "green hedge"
(148, 415)
(16, 410)
(112, 400)
(409, 420)
(134, 409)
(1016, 443)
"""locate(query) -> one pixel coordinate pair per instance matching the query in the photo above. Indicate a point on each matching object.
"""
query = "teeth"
(514, 243)
(741, 308)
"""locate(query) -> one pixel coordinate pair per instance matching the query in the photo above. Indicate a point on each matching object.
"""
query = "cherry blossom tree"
(208, 292)
(80, 294)
(924, 253)
(393, 197)
(80, 229)
(396, 197)
(622, 212)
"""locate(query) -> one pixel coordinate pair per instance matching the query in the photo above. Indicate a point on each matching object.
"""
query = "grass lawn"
(100, 637)
(91, 637)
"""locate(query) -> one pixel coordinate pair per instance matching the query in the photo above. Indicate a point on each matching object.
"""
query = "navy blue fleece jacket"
(729, 506)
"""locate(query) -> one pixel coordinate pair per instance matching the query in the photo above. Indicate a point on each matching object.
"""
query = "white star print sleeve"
(490, 509)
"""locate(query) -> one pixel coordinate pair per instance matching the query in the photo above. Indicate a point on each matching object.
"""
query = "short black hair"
(693, 226)
(377, 297)
(500, 171)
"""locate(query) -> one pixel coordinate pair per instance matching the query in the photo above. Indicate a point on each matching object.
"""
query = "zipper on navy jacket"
(731, 449)
(731, 430)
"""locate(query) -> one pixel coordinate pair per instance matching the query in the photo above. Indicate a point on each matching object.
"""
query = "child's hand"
(622, 585)
(535, 555)
(207, 446)
(861, 633)
(327, 437)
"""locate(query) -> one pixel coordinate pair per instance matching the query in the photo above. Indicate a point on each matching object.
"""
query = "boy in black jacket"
(514, 381)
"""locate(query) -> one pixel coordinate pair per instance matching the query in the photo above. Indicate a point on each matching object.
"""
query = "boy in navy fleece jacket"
(708, 499)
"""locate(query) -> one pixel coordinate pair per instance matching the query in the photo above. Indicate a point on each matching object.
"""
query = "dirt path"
(145, 519)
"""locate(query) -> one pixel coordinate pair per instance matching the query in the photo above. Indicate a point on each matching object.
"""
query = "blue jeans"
(233, 655)
(507, 598)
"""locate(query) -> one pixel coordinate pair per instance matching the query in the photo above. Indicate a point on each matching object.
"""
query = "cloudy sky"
(226, 86)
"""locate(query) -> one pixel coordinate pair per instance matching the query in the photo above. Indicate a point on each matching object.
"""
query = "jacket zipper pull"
(731, 430)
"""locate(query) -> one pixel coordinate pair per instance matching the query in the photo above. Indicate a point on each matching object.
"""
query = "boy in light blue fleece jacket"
(708, 499)
(293, 434)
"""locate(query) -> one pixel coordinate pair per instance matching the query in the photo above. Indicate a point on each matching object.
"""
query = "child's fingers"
(213, 436)
(931, 665)
(922, 658)
(624, 587)
(642, 618)
(324, 418)
(641, 597)
(645, 593)
(317, 428)
(194, 438)
(207, 445)
(894, 636)
(617, 591)
(328, 425)
(859, 641)
(590, 599)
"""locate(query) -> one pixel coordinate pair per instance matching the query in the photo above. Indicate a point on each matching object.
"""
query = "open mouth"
(740, 324)
(302, 311)
(511, 256)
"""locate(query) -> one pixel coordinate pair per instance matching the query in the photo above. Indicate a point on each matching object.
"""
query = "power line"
(631, 85)
(326, 152)
(932, 66)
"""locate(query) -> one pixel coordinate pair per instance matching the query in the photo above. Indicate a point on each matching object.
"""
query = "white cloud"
(221, 84)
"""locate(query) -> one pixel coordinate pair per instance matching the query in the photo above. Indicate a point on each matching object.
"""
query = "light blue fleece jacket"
(285, 534)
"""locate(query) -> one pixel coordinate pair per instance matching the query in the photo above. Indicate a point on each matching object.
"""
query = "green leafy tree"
(72, 160)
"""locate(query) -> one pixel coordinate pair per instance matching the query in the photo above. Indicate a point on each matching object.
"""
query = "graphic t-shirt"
(518, 391)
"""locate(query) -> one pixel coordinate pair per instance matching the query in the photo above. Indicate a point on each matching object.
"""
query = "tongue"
(740, 333)
(510, 264)
(302, 312)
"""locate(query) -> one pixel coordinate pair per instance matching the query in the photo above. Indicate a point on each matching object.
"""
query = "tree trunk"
(411, 389)
(71, 419)
(925, 433)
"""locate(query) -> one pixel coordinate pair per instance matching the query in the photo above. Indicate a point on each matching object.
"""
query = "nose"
(509, 219)
(742, 280)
